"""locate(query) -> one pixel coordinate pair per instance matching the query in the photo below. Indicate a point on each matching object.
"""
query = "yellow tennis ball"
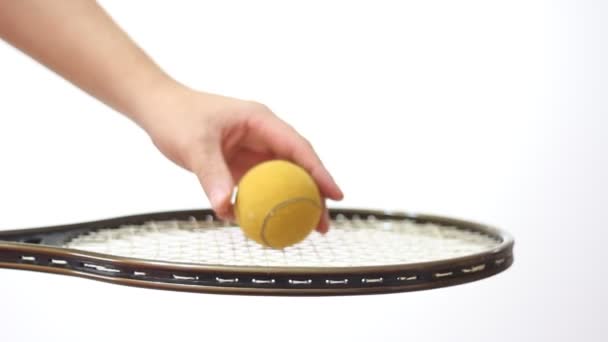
(277, 204)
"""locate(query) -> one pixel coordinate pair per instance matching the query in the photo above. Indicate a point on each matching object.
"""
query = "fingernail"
(324, 225)
(340, 193)
(218, 198)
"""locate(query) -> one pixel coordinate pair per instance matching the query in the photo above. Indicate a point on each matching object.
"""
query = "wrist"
(156, 98)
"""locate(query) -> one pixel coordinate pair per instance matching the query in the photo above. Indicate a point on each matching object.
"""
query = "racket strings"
(350, 242)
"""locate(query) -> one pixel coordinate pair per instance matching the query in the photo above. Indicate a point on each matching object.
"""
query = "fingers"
(285, 142)
(323, 226)
(215, 177)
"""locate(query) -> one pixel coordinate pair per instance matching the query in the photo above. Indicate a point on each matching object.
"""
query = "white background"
(490, 111)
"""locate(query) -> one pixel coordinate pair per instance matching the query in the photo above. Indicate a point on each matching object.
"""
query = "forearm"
(80, 42)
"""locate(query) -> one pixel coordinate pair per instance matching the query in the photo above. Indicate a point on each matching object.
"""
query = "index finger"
(284, 141)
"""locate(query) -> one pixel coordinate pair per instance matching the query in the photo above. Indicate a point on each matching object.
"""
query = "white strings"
(350, 242)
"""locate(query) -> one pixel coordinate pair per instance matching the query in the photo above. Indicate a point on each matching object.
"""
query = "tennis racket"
(364, 252)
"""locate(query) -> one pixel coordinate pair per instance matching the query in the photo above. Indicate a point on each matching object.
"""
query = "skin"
(216, 137)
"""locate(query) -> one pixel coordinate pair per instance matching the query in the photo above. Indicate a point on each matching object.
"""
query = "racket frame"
(32, 249)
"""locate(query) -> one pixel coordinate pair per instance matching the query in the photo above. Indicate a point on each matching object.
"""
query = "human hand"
(220, 138)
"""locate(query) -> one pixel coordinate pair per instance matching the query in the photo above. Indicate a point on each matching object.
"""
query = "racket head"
(51, 249)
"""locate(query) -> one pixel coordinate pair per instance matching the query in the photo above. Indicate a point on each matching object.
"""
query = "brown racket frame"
(38, 249)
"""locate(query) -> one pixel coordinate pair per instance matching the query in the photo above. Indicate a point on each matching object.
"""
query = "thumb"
(215, 177)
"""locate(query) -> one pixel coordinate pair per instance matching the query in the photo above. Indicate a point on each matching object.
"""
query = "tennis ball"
(277, 204)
